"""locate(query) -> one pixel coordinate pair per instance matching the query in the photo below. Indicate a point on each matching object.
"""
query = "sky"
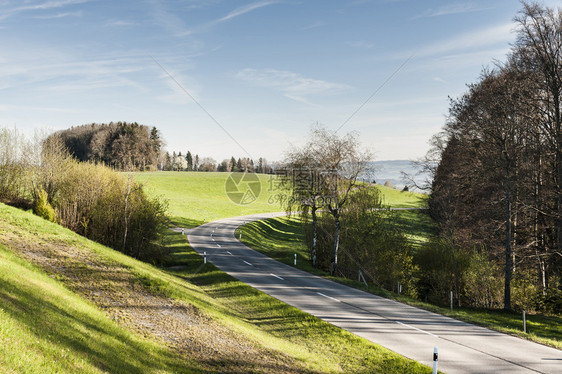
(224, 78)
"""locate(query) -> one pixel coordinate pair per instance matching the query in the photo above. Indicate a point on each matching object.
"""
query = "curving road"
(411, 332)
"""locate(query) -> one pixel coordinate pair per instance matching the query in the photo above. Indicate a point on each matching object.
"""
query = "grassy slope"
(37, 311)
(196, 196)
(45, 328)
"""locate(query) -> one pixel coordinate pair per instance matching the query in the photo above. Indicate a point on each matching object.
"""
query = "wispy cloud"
(59, 15)
(477, 40)
(11, 8)
(445, 10)
(292, 85)
(244, 9)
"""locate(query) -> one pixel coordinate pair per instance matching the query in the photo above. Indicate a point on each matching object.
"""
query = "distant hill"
(391, 170)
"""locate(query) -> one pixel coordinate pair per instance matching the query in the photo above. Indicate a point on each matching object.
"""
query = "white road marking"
(218, 245)
(415, 328)
(248, 263)
(229, 253)
(277, 276)
(329, 297)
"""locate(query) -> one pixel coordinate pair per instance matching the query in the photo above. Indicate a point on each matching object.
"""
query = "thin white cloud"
(449, 9)
(245, 9)
(292, 85)
(60, 15)
(11, 8)
(485, 38)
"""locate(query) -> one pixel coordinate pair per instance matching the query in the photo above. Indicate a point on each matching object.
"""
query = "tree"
(189, 160)
(208, 164)
(233, 164)
(196, 163)
(340, 162)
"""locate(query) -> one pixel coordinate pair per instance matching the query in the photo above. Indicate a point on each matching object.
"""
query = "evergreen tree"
(189, 160)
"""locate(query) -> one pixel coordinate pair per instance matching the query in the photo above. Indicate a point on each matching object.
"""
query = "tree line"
(497, 187)
(188, 162)
(131, 146)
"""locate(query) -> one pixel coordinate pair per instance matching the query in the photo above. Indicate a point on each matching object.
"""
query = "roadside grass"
(45, 328)
(198, 197)
(280, 238)
(56, 330)
(324, 347)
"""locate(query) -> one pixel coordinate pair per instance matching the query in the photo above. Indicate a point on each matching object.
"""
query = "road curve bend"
(411, 332)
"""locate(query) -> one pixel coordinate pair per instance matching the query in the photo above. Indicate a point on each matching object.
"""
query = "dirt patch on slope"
(117, 291)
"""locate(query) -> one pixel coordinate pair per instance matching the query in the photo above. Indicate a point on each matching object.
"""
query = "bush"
(43, 208)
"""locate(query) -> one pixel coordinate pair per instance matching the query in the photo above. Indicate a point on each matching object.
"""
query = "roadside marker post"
(435, 358)
(451, 301)
(204, 257)
(524, 322)
(295, 259)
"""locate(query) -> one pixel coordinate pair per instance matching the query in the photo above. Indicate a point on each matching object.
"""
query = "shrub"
(43, 208)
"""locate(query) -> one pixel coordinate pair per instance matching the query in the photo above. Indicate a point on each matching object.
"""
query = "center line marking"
(329, 297)
(415, 328)
(218, 245)
(229, 253)
(277, 276)
(248, 263)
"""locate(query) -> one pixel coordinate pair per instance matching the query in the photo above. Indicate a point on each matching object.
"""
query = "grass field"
(82, 307)
(195, 197)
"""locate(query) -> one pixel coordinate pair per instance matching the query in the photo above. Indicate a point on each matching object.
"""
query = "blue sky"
(264, 70)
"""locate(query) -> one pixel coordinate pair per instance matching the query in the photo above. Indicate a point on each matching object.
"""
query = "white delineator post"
(435, 358)
(204, 257)
(295, 259)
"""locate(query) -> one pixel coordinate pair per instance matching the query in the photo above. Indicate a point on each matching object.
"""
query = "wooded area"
(497, 190)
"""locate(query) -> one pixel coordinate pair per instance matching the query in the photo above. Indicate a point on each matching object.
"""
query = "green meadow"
(197, 197)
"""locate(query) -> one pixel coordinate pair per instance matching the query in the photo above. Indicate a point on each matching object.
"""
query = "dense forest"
(497, 189)
(122, 145)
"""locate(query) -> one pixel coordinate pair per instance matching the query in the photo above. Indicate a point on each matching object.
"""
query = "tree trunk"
(508, 250)
(314, 235)
(336, 243)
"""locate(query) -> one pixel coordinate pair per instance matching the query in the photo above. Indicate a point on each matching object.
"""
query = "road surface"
(411, 332)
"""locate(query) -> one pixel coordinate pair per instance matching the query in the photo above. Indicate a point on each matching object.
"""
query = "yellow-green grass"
(281, 238)
(402, 199)
(195, 197)
(45, 328)
(48, 328)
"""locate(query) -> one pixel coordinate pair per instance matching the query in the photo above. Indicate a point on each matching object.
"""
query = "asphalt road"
(411, 332)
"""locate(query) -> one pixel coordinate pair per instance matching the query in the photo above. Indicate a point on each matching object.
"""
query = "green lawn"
(195, 197)
(402, 199)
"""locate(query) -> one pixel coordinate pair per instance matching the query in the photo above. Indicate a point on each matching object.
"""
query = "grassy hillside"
(197, 196)
(71, 305)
